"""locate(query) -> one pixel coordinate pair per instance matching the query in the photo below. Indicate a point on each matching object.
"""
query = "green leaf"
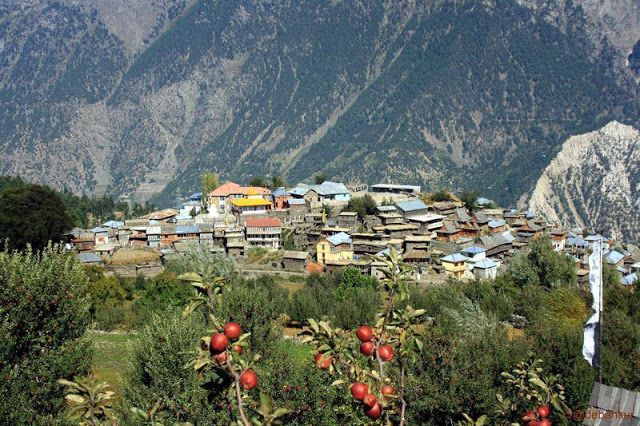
(279, 412)
(338, 382)
(190, 277)
(75, 398)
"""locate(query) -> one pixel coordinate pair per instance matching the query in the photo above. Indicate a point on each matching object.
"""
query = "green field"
(111, 357)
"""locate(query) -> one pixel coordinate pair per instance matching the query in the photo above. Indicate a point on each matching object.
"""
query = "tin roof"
(411, 205)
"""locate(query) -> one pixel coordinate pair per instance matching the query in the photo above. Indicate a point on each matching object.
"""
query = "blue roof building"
(340, 238)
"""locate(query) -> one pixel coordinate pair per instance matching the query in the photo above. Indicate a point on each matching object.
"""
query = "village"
(308, 228)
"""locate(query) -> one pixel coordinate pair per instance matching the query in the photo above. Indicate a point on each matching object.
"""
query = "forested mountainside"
(465, 94)
(594, 182)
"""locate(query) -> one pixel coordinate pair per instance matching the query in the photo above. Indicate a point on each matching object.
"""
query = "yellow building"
(455, 265)
(335, 248)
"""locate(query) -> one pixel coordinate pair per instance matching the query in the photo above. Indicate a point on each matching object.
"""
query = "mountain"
(97, 97)
(594, 182)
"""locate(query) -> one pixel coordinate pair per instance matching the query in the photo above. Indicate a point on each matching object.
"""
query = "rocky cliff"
(594, 182)
(113, 96)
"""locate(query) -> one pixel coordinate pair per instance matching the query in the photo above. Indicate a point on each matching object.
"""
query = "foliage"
(258, 181)
(44, 311)
(277, 181)
(440, 195)
(469, 199)
(542, 266)
(158, 374)
(319, 178)
(32, 215)
(90, 401)
(199, 259)
(210, 181)
(364, 206)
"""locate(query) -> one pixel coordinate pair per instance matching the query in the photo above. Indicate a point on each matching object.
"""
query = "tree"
(44, 313)
(32, 215)
(541, 265)
(258, 181)
(469, 198)
(440, 195)
(210, 181)
(319, 178)
(277, 182)
(364, 206)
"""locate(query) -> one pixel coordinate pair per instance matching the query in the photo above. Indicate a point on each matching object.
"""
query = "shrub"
(45, 311)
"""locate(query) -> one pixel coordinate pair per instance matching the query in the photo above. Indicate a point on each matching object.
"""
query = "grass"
(111, 358)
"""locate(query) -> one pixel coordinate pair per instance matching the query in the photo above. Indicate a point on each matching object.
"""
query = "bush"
(158, 373)
(290, 376)
(45, 311)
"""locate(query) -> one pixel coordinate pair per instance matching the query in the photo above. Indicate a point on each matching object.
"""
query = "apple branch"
(403, 403)
(236, 381)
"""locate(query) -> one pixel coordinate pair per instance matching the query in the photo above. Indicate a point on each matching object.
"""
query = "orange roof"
(313, 267)
(262, 222)
(229, 188)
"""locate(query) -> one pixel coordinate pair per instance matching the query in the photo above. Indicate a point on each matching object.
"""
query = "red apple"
(367, 348)
(374, 412)
(543, 411)
(221, 357)
(543, 422)
(323, 362)
(359, 390)
(364, 333)
(529, 415)
(387, 390)
(232, 330)
(532, 423)
(369, 400)
(219, 343)
(237, 348)
(248, 379)
(385, 352)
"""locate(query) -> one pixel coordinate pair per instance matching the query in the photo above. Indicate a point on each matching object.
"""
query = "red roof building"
(263, 232)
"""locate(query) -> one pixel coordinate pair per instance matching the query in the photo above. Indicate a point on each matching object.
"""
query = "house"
(389, 188)
(101, 235)
(263, 232)
(455, 265)
(337, 247)
(614, 258)
(412, 208)
(630, 279)
(221, 197)
(348, 220)
(428, 223)
(234, 242)
(448, 232)
(386, 209)
(196, 196)
(485, 269)
(178, 233)
(416, 243)
(162, 215)
(558, 239)
(296, 260)
(279, 198)
(498, 244)
(332, 192)
(89, 258)
(296, 203)
(475, 253)
(243, 206)
(154, 236)
(446, 208)
(497, 226)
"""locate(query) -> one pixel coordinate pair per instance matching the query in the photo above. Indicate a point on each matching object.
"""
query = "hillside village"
(309, 228)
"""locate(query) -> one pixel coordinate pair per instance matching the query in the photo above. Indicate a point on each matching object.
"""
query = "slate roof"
(386, 208)
(113, 224)
(291, 254)
(411, 205)
(186, 229)
(614, 257)
(279, 192)
(295, 201)
(340, 238)
(485, 264)
(482, 201)
(474, 250)
(330, 188)
(496, 223)
(88, 258)
(99, 230)
(576, 241)
(299, 191)
(462, 214)
(455, 257)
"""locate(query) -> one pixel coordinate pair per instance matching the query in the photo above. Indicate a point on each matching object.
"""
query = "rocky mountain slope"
(594, 182)
(97, 97)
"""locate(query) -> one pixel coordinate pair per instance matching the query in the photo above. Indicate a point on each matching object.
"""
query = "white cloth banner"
(590, 348)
